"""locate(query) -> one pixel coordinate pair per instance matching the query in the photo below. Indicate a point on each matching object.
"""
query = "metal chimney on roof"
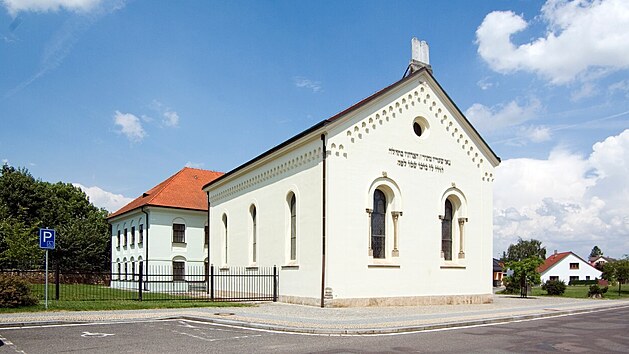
(420, 56)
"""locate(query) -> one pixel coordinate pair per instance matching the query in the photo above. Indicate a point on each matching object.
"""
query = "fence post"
(140, 285)
(57, 281)
(274, 283)
(212, 282)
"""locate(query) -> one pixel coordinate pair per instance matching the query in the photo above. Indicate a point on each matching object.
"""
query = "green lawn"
(581, 291)
(82, 297)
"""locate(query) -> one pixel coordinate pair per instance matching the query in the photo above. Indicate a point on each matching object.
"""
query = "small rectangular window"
(179, 273)
(574, 265)
(179, 233)
(133, 235)
(574, 277)
(587, 277)
(553, 277)
(141, 234)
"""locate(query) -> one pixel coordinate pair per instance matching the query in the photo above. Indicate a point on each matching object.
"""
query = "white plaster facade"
(158, 251)
(371, 146)
(571, 267)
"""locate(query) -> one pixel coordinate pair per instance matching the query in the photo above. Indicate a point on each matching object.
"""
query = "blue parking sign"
(47, 239)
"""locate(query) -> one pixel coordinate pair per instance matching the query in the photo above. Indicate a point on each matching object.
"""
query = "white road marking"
(97, 335)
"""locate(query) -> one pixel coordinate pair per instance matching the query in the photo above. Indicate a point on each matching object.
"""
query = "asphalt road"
(603, 331)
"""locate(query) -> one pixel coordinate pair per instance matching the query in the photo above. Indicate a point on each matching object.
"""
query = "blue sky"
(117, 95)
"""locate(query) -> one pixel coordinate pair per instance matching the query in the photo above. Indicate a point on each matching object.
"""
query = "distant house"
(567, 266)
(497, 272)
(175, 236)
(599, 261)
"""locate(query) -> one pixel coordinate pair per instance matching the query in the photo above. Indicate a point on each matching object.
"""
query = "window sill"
(383, 265)
(179, 244)
(290, 266)
(452, 266)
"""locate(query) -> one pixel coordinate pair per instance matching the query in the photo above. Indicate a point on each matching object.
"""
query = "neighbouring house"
(175, 237)
(567, 266)
(498, 272)
(599, 261)
(388, 202)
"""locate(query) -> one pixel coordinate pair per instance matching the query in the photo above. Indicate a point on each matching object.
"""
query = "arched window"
(293, 228)
(254, 234)
(225, 237)
(179, 268)
(446, 231)
(378, 222)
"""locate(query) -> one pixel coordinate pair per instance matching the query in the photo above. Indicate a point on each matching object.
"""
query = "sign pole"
(46, 279)
(47, 242)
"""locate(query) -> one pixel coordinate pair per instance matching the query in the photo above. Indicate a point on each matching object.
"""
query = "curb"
(334, 331)
(393, 330)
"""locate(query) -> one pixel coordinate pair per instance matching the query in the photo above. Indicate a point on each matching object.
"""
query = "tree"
(596, 252)
(524, 249)
(617, 271)
(524, 273)
(27, 204)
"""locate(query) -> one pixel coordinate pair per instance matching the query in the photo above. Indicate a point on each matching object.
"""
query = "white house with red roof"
(165, 227)
(567, 266)
(388, 202)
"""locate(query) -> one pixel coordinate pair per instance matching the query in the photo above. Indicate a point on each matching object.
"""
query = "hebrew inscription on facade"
(417, 161)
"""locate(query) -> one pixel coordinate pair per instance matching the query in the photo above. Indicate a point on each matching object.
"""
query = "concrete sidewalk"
(366, 320)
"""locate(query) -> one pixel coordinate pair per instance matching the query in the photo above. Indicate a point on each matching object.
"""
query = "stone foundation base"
(392, 301)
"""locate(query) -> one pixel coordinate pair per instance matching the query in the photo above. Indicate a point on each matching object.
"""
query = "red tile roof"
(181, 190)
(552, 260)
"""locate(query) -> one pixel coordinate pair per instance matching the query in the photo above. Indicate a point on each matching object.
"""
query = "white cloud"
(16, 6)
(130, 126)
(5, 161)
(194, 164)
(620, 86)
(103, 199)
(171, 119)
(535, 134)
(485, 84)
(568, 201)
(580, 35)
(302, 82)
(490, 119)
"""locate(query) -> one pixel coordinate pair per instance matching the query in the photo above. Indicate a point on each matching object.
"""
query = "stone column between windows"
(396, 215)
(443, 255)
(369, 250)
(462, 222)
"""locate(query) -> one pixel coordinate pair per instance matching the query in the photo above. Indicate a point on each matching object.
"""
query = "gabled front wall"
(562, 270)
(379, 149)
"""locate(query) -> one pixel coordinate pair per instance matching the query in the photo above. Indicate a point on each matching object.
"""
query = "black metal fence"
(158, 283)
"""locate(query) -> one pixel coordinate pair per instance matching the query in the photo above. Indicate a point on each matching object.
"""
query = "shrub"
(511, 286)
(554, 287)
(583, 282)
(14, 292)
(596, 291)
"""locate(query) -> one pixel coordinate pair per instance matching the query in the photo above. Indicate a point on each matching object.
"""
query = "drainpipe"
(146, 248)
(323, 223)
(208, 236)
